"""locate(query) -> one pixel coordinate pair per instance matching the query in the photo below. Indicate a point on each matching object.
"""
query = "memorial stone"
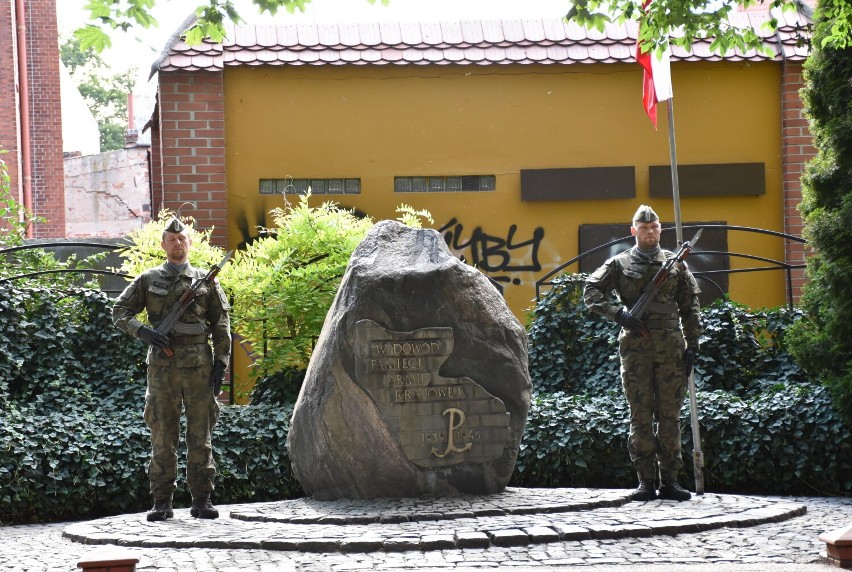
(418, 384)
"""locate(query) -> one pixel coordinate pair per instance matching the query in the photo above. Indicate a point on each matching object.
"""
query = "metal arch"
(44, 245)
(66, 271)
(50, 245)
(776, 264)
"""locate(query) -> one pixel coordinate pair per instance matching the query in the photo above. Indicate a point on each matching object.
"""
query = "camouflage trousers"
(654, 384)
(171, 389)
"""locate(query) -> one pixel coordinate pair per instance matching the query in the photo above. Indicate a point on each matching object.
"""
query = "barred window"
(316, 186)
(445, 184)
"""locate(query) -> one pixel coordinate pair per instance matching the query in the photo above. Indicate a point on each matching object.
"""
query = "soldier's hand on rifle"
(217, 376)
(627, 320)
(152, 337)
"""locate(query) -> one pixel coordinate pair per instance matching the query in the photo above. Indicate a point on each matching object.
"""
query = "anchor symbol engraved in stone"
(451, 446)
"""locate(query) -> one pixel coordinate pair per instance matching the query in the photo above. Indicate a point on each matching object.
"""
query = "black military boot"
(161, 511)
(645, 491)
(203, 508)
(673, 491)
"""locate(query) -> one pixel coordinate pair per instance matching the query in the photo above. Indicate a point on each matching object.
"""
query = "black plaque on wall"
(718, 180)
(578, 184)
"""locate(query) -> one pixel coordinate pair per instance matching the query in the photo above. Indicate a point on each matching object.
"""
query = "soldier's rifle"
(186, 300)
(638, 310)
(641, 306)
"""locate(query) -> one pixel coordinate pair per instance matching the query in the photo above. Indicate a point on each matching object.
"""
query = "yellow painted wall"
(375, 123)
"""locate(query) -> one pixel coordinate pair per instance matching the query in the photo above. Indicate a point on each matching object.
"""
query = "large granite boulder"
(418, 384)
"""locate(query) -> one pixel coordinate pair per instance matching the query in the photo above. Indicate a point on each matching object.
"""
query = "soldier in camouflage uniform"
(655, 352)
(189, 380)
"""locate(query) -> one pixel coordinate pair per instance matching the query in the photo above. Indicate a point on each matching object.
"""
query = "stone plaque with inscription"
(418, 383)
(438, 420)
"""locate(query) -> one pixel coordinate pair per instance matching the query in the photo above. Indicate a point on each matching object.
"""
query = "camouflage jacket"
(627, 274)
(157, 291)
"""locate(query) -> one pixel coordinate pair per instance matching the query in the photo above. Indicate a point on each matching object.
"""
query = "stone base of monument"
(514, 517)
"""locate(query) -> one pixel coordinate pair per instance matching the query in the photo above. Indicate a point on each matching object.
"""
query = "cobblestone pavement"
(535, 529)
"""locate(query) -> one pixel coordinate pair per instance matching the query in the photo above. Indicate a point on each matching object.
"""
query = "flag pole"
(697, 454)
(673, 163)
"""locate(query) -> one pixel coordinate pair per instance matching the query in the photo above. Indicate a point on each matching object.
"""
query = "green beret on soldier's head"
(174, 225)
(645, 214)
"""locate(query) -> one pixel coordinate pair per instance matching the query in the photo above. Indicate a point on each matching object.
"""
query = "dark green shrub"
(570, 349)
(575, 441)
(71, 464)
(789, 441)
(279, 388)
(92, 461)
(823, 341)
(251, 454)
(60, 344)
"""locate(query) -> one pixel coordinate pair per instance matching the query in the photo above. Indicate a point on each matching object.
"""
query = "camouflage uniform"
(652, 366)
(182, 380)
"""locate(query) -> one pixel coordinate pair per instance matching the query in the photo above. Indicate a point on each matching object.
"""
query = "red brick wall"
(797, 149)
(48, 185)
(192, 139)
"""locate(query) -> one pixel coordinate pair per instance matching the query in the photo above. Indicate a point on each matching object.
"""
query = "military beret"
(645, 214)
(174, 225)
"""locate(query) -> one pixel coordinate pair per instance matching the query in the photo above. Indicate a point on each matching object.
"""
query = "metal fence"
(706, 277)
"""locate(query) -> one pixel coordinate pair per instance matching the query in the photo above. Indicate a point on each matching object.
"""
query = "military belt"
(662, 324)
(187, 340)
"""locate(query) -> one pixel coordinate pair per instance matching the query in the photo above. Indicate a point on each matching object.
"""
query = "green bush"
(823, 341)
(58, 345)
(784, 441)
(571, 349)
(284, 282)
(91, 460)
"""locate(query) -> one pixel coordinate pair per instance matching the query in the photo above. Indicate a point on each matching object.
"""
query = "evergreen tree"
(822, 342)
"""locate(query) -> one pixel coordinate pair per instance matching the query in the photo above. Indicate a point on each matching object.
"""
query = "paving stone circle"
(516, 517)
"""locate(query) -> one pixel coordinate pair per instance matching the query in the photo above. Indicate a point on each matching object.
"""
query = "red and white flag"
(657, 78)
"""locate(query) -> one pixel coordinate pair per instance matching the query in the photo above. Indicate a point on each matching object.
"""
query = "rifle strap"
(667, 324)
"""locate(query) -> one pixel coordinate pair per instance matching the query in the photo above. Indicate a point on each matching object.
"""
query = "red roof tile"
(468, 42)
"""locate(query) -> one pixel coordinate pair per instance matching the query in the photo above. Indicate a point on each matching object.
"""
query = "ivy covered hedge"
(765, 427)
(787, 441)
(73, 443)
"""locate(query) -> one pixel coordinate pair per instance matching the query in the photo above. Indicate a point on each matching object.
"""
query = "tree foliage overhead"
(823, 342)
(692, 19)
(105, 93)
(211, 16)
